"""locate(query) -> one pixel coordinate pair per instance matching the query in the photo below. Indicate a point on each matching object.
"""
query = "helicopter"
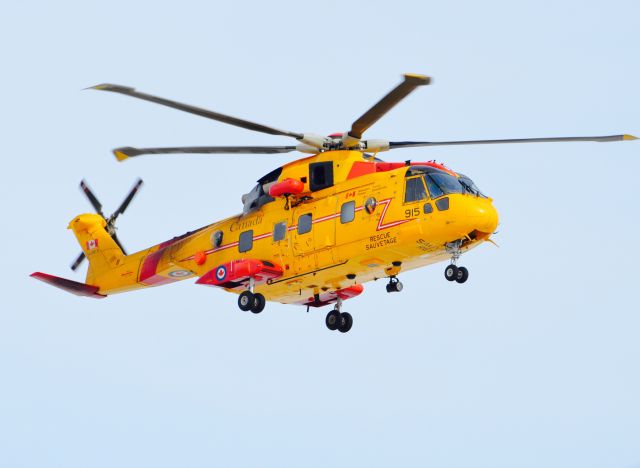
(312, 231)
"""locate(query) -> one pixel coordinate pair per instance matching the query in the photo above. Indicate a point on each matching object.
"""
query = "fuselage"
(356, 220)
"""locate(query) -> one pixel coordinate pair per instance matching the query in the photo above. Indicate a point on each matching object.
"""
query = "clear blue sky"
(533, 362)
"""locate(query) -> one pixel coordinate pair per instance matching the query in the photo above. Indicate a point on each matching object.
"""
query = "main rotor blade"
(385, 104)
(92, 198)
(606, 138)
(129, 152)
(197, 110)
(78, 261)
(125, 203)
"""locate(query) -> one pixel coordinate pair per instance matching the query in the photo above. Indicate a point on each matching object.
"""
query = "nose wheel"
(456, 273)
(336, 320)
(459, 274)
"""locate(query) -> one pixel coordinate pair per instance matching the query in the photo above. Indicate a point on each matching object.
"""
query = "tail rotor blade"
(125, 203)
(92, 198)
(114, 236)
(78, 261)
(385, 104)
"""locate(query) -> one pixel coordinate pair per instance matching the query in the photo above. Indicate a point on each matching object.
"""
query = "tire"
(346, 322)
(333, 320)
(451, 273)
(258, 303)
(245, 300)
(463, 275)
(399, 286)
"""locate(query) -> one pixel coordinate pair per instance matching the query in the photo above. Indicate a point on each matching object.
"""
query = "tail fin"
(101, 250)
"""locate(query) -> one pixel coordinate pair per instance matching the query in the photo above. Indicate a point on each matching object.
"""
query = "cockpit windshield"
(440, 183)
(470, 186)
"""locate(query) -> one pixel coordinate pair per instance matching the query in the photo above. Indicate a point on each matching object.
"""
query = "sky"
(533, 362)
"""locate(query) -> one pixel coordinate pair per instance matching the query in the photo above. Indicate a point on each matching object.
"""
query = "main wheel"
(258, 303)
(451, 272)
(399, 286)
(245, 300)
(463, 275)
(333, 320)
(346, 322)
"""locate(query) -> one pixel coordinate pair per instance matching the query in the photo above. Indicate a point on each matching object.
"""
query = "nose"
(483, 216)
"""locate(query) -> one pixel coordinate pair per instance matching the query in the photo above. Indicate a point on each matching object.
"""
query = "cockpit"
(423, 182)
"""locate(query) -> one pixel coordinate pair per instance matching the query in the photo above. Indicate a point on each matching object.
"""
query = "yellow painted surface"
(319, 260)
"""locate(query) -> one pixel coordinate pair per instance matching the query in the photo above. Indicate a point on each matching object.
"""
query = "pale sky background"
(534, 362)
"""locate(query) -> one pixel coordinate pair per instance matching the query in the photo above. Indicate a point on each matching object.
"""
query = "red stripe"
(380, 227)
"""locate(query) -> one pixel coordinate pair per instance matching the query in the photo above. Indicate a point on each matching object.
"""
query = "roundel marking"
(179, 273)
(221, 273)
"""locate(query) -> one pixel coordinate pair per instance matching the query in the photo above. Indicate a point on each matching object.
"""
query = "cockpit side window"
(415, 190)
(434, 190)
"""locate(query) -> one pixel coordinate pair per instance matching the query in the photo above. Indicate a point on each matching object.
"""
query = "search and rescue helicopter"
(311, 232)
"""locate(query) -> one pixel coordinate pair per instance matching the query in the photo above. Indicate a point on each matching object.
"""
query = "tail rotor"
(111, 220)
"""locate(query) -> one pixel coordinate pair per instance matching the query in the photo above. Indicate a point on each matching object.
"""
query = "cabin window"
(216, 239)
(428, 208)
(246, 241)
(279, 231)
(304, 223)
(348, 212)
(415, 190)
(320, 175)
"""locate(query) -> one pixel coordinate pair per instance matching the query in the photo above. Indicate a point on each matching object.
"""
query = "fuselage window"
(415, 190)
(304, 223)
(348, 212)
(246, 241)
(320, 175)
(279, 231)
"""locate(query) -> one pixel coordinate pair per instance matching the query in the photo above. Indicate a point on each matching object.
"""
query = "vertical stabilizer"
(99, 247)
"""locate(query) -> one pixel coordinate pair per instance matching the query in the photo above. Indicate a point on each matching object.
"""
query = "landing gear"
(258, 303)
(462, 275)
(453, 272)
(245, 300)
(394, 285)
(248, 300)
(333, 320)
(456, 273)
(336, 320)
(346, 322)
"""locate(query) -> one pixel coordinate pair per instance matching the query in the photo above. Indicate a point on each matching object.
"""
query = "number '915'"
(412, 213)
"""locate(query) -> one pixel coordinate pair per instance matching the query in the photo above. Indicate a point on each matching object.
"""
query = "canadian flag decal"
(92, 244)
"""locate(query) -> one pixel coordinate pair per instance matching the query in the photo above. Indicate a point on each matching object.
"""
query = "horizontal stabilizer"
(79, 289)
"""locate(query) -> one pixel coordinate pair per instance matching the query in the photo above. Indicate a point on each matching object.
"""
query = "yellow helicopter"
(311, 232)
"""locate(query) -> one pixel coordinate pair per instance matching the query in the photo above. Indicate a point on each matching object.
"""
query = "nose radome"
(483, 216)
